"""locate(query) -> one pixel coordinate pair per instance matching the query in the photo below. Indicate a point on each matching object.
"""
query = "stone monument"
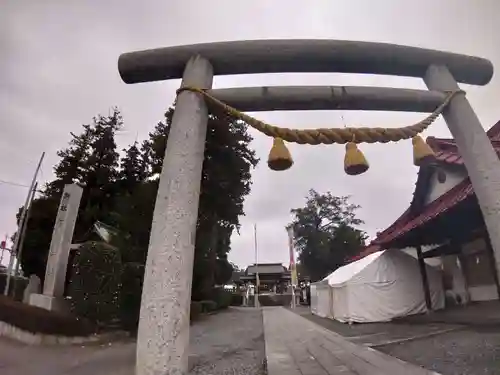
(33, 287)
(57, 262)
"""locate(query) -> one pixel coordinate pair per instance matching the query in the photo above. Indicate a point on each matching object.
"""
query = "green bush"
(222, 298)
(37, 320)
(130, 295)
(236, 299)
(195, 311)
(251, 300)
(208, 306)
(16, 286)
(275, 300)
(108, 292)
(95, 285)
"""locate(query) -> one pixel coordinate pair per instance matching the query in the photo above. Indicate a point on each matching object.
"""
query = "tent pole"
(425, 280)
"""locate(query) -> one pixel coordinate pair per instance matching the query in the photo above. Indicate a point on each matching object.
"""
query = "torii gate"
(163, 338)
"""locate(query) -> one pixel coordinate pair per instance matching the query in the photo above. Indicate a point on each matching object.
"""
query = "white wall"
(479, 292)
(436, 189)
(451, 266)
(483, 293)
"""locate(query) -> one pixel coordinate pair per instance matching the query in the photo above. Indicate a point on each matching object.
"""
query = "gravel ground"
(230, 342)
(468, 350)
(473, 351)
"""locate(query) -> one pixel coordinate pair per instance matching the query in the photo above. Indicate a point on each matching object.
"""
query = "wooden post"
(425, 280)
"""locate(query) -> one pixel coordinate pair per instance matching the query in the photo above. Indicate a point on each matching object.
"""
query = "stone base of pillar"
(49, 302)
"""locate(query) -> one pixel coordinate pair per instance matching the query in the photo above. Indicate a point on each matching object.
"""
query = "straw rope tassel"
(279, 158)
(354, 161)
(422, 152)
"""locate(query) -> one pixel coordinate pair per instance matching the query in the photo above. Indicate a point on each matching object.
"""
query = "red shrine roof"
(446, 153)
(442, 204)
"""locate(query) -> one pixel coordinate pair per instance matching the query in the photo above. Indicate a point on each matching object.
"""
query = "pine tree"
(73, 160)
(38, 235)
(91, 161)
(226, 177)
(226, 180)
(123, 192)
(154, 148)
(133, 168)
(102, 163)
(100, 171)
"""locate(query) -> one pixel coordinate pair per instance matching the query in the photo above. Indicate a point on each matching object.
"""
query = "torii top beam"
(301, 56)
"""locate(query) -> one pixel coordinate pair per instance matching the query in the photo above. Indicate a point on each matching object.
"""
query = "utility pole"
(17, 236)
(257, 281)
(293, 271)
(23, 234)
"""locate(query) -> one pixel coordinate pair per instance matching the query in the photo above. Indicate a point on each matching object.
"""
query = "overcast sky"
(59, 69)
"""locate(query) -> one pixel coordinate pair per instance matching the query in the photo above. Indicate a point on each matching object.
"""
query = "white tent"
(382, 286)
(321, 297)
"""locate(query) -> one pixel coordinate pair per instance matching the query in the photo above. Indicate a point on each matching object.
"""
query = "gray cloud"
(60, 69)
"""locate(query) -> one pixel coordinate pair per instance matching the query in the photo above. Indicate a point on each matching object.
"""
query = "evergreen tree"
(133, 168)
(226, 180)
(226, 177)
(100, 172)
(38, 235)
(132, 215)
(71, 168)
(103, 161)
(153, 149)
(122, 193)
(91, 161)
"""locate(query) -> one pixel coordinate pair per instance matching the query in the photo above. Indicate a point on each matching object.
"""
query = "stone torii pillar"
(162, 346)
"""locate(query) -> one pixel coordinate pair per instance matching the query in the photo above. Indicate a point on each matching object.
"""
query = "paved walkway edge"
(358, 359)
(14, 333)
(416, 337)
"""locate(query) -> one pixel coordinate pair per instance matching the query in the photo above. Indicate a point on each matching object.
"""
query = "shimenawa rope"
(329, 135)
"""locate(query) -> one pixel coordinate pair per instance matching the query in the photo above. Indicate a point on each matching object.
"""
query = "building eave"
(418, 212)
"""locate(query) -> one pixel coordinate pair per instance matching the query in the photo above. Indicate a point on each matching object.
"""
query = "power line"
(13, 183)
(18, 185)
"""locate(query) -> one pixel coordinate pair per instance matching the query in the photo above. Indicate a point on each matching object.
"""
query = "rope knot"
(192, 89)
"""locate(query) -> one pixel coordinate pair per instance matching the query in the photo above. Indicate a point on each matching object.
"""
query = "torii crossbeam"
(163, 339)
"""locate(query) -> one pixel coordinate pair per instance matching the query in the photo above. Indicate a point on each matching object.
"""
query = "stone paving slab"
(297, 346)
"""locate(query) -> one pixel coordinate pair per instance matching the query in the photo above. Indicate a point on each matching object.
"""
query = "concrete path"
(297, 346)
